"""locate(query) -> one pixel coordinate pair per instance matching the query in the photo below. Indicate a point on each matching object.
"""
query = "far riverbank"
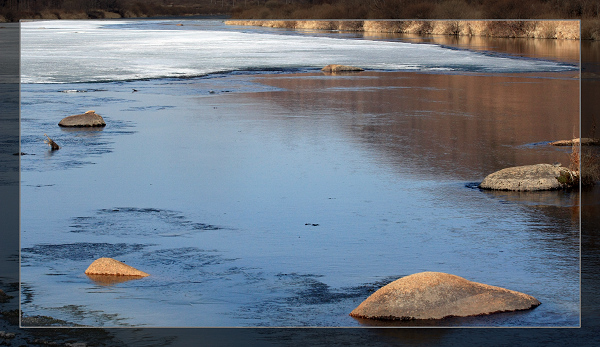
(550, 29)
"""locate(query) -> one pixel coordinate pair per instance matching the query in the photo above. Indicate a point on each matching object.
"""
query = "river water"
(258, 191)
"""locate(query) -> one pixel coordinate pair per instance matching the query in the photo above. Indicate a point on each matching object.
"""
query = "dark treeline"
(13, 10)
(420, 9)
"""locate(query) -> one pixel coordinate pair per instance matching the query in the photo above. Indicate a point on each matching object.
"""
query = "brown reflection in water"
(110, 280)
(560, 50)
(464, 126)
(81, 129)
(590, 88)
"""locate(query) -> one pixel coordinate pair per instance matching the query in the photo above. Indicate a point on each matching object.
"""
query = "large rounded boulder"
(112, 267)
(530, 178)
(436, 295)
(88, 119)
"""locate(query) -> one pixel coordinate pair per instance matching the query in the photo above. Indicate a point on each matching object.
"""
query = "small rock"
(4, 297)
(585, 141)
(530, 178)
(436, 295)
(109, 266)
(5, 335)
(341, 68)
(88, 119)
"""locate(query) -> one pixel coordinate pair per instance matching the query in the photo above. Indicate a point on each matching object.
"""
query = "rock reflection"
(547, 198)
(110, 280)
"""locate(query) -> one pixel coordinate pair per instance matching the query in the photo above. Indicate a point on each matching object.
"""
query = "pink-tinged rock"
(88, 119)
(436, 295)
(109, 266)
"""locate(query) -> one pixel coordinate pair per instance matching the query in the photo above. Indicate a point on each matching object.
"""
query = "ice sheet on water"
(89, 51)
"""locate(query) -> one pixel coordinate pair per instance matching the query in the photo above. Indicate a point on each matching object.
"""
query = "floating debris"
(53, 145)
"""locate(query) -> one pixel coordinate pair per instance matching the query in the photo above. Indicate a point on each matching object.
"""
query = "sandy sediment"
(548, 29)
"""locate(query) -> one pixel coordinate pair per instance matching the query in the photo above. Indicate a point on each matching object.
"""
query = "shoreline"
(535, 29)
(550, 29)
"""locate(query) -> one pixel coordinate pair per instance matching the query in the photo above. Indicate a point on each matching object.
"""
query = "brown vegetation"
(525, 29)
(590, 165)
(588, 10)
(417, 9)
(587, 160)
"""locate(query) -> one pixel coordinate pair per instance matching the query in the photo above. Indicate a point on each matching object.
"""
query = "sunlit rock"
(585, 141)
(340, 68)
(531, 178)
(109, 266)
(88, 119)
(436, 295)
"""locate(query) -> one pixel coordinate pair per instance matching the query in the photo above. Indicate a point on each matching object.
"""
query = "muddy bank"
(513, 29)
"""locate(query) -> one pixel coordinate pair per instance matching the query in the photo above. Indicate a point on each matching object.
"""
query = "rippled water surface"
(257, 199)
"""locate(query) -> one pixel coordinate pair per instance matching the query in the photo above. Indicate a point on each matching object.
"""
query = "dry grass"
(590, 29)
(584, 162)
(590, 165)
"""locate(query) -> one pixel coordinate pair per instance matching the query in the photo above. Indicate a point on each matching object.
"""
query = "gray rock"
(340, 68)
(88, 119)
(436, 295)
(530, 178)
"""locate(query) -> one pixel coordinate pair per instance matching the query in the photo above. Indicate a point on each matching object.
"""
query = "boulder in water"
(109, 266)
(88, 119)
(436, 295)
(531, 178)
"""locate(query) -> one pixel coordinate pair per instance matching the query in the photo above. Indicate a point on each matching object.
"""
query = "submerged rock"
(109, 266)
(585, 141)
(4, 297)
(340, 68)
(530, 178)
(436, 295)
(88, 119)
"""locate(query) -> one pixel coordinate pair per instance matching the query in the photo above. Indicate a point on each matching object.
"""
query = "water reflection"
(110, 280)
(455, 126)
(81, 130)
(561, 50)
(545, 198)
